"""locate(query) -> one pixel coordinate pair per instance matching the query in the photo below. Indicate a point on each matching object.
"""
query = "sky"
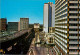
(13, 10)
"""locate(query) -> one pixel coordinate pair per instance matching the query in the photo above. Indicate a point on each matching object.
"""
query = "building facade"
(67, 27)
(12, 26)
(24, 23)
(49, 38)
(3, 24)
(18, 26)
(49, 16)
(36, 27)
(51, 29)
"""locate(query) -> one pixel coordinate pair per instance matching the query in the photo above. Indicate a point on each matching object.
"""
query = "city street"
(40, 27)
(38, 49)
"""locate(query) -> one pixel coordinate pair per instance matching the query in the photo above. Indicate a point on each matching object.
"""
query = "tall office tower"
(12, 26)
(67, 27)
(49, 16)
(3, 24)
(24, 23)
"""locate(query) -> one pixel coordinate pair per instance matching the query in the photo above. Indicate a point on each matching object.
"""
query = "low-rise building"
(3, 24)
(51, 29)
(36, 27)
(18, 26)
(12, 26)
(24, 23)
(49, 38)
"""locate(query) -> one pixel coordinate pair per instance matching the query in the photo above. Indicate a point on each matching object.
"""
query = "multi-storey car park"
(67, 27)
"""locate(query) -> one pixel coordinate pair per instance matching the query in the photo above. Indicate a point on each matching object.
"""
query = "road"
(37, 49)
(18, 45)
(12, 36)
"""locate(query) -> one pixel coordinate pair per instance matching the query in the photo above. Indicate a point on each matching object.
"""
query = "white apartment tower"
(49, 16)
(67, 27)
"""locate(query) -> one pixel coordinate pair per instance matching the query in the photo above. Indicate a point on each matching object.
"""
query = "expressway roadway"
(17, 44)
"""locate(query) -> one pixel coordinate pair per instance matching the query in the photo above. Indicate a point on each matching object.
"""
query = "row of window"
(73, 50)
(73, 40)
(73, 44)
(73, 34)
(73, 9)
(73, 0)
(73, 14)
(72, 29)
(71, 24)
(73, 4)
(71, 19)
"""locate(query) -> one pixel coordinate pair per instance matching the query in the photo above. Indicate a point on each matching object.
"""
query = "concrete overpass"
(17, 43)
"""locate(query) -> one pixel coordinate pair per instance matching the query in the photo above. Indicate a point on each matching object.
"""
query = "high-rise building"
(67, 27)
(49, 16)
(24, 23)
(12, 26)
(3, 24)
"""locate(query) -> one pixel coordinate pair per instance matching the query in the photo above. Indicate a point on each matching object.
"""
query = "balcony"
(73, 37)
(73, 42)
(73, 17)
(61, 22)
(61, 26)
(73, 11)
(73, 52)
(61, 30)
(73, 1)
(73, 27)
(74, 32)
(73, 6)
(73, 47)
(73, 21)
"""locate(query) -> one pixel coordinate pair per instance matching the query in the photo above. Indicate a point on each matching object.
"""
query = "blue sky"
(14, 9)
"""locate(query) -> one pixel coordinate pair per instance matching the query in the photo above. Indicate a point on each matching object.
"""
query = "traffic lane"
(37, 51)
(40, 50)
